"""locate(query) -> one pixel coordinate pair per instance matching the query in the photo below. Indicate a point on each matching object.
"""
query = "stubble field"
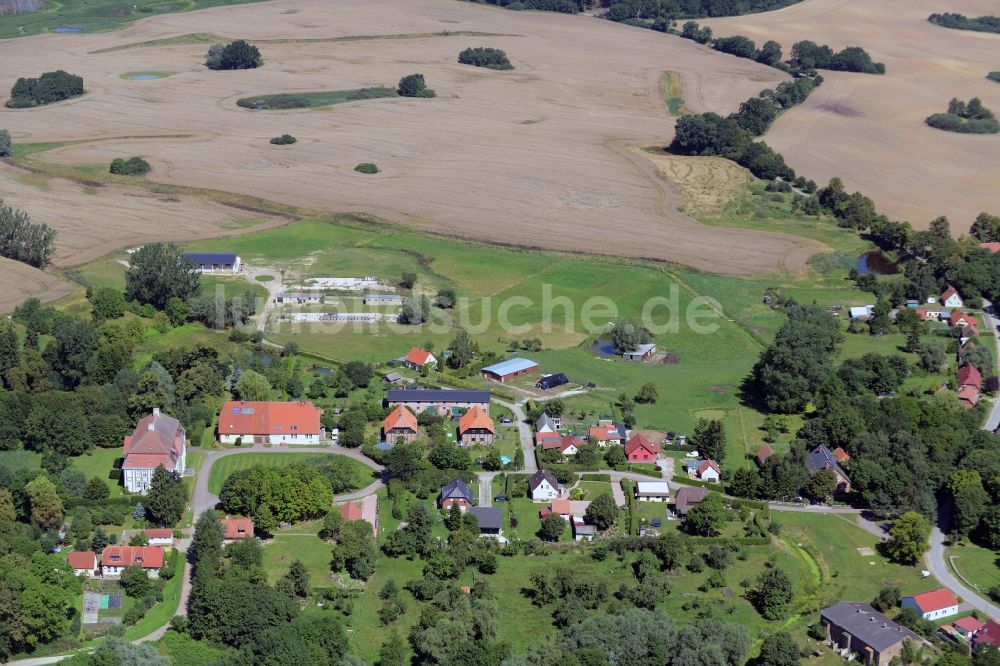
(536, 157)
(870, 130)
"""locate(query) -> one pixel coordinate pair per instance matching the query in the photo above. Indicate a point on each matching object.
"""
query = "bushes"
(282, 101)
(563, 6)
(133, 166)
(5, 143)
(971, 118)
(482, 56)
(994, 76)
(25, 241)
(808, 55)
(962, 22)
(239, 54)
(283, 140)
(49, 87)
(366, 167)
(413, 85)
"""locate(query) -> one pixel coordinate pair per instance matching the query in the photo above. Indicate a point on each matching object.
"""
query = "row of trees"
(49, 87)
(666, 11)
(962, 22)
(23, 240)
(562, 6)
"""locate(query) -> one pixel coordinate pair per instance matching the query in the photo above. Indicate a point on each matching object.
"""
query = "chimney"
(150, 426)
(156, 411)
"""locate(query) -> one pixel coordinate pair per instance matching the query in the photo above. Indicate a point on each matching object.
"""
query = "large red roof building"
(270, 423)
(157, 440)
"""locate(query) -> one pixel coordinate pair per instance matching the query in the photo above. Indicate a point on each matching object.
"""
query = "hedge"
(596, 477)
(685, 481)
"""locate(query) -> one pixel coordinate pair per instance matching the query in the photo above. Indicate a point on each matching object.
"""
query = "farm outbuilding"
(215, 262)
(642, 353)
(551, 381)
(507, 370)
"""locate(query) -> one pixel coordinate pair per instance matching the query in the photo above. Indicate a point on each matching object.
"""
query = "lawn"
(161, 613)
(95, 15)
(833, 541)
(977, 565)
(306, 100)
(313, 551)
(19, 459)
(226, 466)
(100, 463)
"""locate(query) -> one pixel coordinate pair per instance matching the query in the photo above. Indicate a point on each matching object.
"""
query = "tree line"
(32, 243)
(562, 6)
(667, 10)
(962, 22)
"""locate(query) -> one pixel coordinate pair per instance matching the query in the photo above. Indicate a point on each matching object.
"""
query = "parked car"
(506, 419)
(692, 454)
(500, 498)
(656, 522)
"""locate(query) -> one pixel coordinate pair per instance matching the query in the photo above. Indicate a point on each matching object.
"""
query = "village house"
(157, 440)
(546, 423)
(969, 375)
(507, 370)
(159, 537)
(252, 422)
(687, 497)
(551, 381)
(763, 453)
(857, 628)
(458, 493)
(967, 627)
(299, 298)
(988, 634)
(638, 449)
(968, 396)
(543, 486)
(443, 402)
(383, 299)
(959, 319)
(568, 510)
(476, 427)
(932, 605)
(567, 445)
(418, 358)
(641, 353)
(704, 470)
(365, 509)
(215, 262)
(83, 562)
(584, 532)
(603, 435)
(862, 312)
(114, 560)
(234, 529)
(951, 299)
(490, 521)
(401, 424)
(821, 459)
(652, 491)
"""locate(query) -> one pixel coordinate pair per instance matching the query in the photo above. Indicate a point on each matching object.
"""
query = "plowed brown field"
(537, 156)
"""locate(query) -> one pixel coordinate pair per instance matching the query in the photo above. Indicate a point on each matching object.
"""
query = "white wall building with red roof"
(932, 605)
(157, 440)
(270, 423)
(114, 560)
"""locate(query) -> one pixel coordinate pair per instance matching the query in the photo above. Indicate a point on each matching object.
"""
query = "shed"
(641, 353)
(515, 367)
(551, 381)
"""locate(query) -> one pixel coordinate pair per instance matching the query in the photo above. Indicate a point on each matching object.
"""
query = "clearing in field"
(708, 184)
(532, 157)
(869, 130)
(307, 100)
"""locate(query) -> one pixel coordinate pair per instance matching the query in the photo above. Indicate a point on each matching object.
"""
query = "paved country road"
(527, 438)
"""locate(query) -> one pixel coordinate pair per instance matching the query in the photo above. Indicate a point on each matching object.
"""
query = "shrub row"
(962, 22)
(49, 87)
(133, 166)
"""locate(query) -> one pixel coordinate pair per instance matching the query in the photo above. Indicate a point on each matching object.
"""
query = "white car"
(692, 454)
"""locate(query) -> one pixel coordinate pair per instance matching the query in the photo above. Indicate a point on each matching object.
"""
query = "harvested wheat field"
(870, 130)
(537, 156)
(18, 281)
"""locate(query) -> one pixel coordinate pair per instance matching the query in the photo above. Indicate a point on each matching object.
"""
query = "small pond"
(876, 263)
(322, 372)
(144, 77)
(603, 348)
(505, 460)
(66, 28)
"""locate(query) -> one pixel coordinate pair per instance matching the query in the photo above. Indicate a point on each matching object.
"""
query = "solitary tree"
(461, 350)
(158, 272)
(166, 499)
(908, 538)
(647, 394)
(772, 594)
(43, 499)
(710, 439)
(553, 526)
(779, 649)
(602, 511)
(626, 336)
(413, 85)
(5, 143)
(706, 517)
(253, 386)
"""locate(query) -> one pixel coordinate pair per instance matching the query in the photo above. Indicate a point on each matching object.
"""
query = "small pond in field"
(876, 263)
(144, 77)
(66, 28)
(603, 347)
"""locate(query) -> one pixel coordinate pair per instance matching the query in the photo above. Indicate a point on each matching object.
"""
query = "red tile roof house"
(401, 424)
(988, 634)
(270, 423)
(968, 626)
(234, 529)
(83, 562)
(542, 437)
(638, 449)
(841, 455)
(476, 427)
(969, 375)
(114, 559)
(968, 397)
(160, 537)
(959, 319)
(157, 440)
(418, 358)
(604, 435)
(932, 605)
(709, 471)
(567, 445)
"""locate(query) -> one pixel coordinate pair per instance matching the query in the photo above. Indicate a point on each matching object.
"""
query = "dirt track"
(869, 130)
(537, 156)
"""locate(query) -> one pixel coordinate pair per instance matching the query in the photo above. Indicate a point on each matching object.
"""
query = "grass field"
(99, 463)
(96, 16)
(977, 565)
(307, 100)
(313, 551)
(224, 467)
(20, 459)
(672, 94)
